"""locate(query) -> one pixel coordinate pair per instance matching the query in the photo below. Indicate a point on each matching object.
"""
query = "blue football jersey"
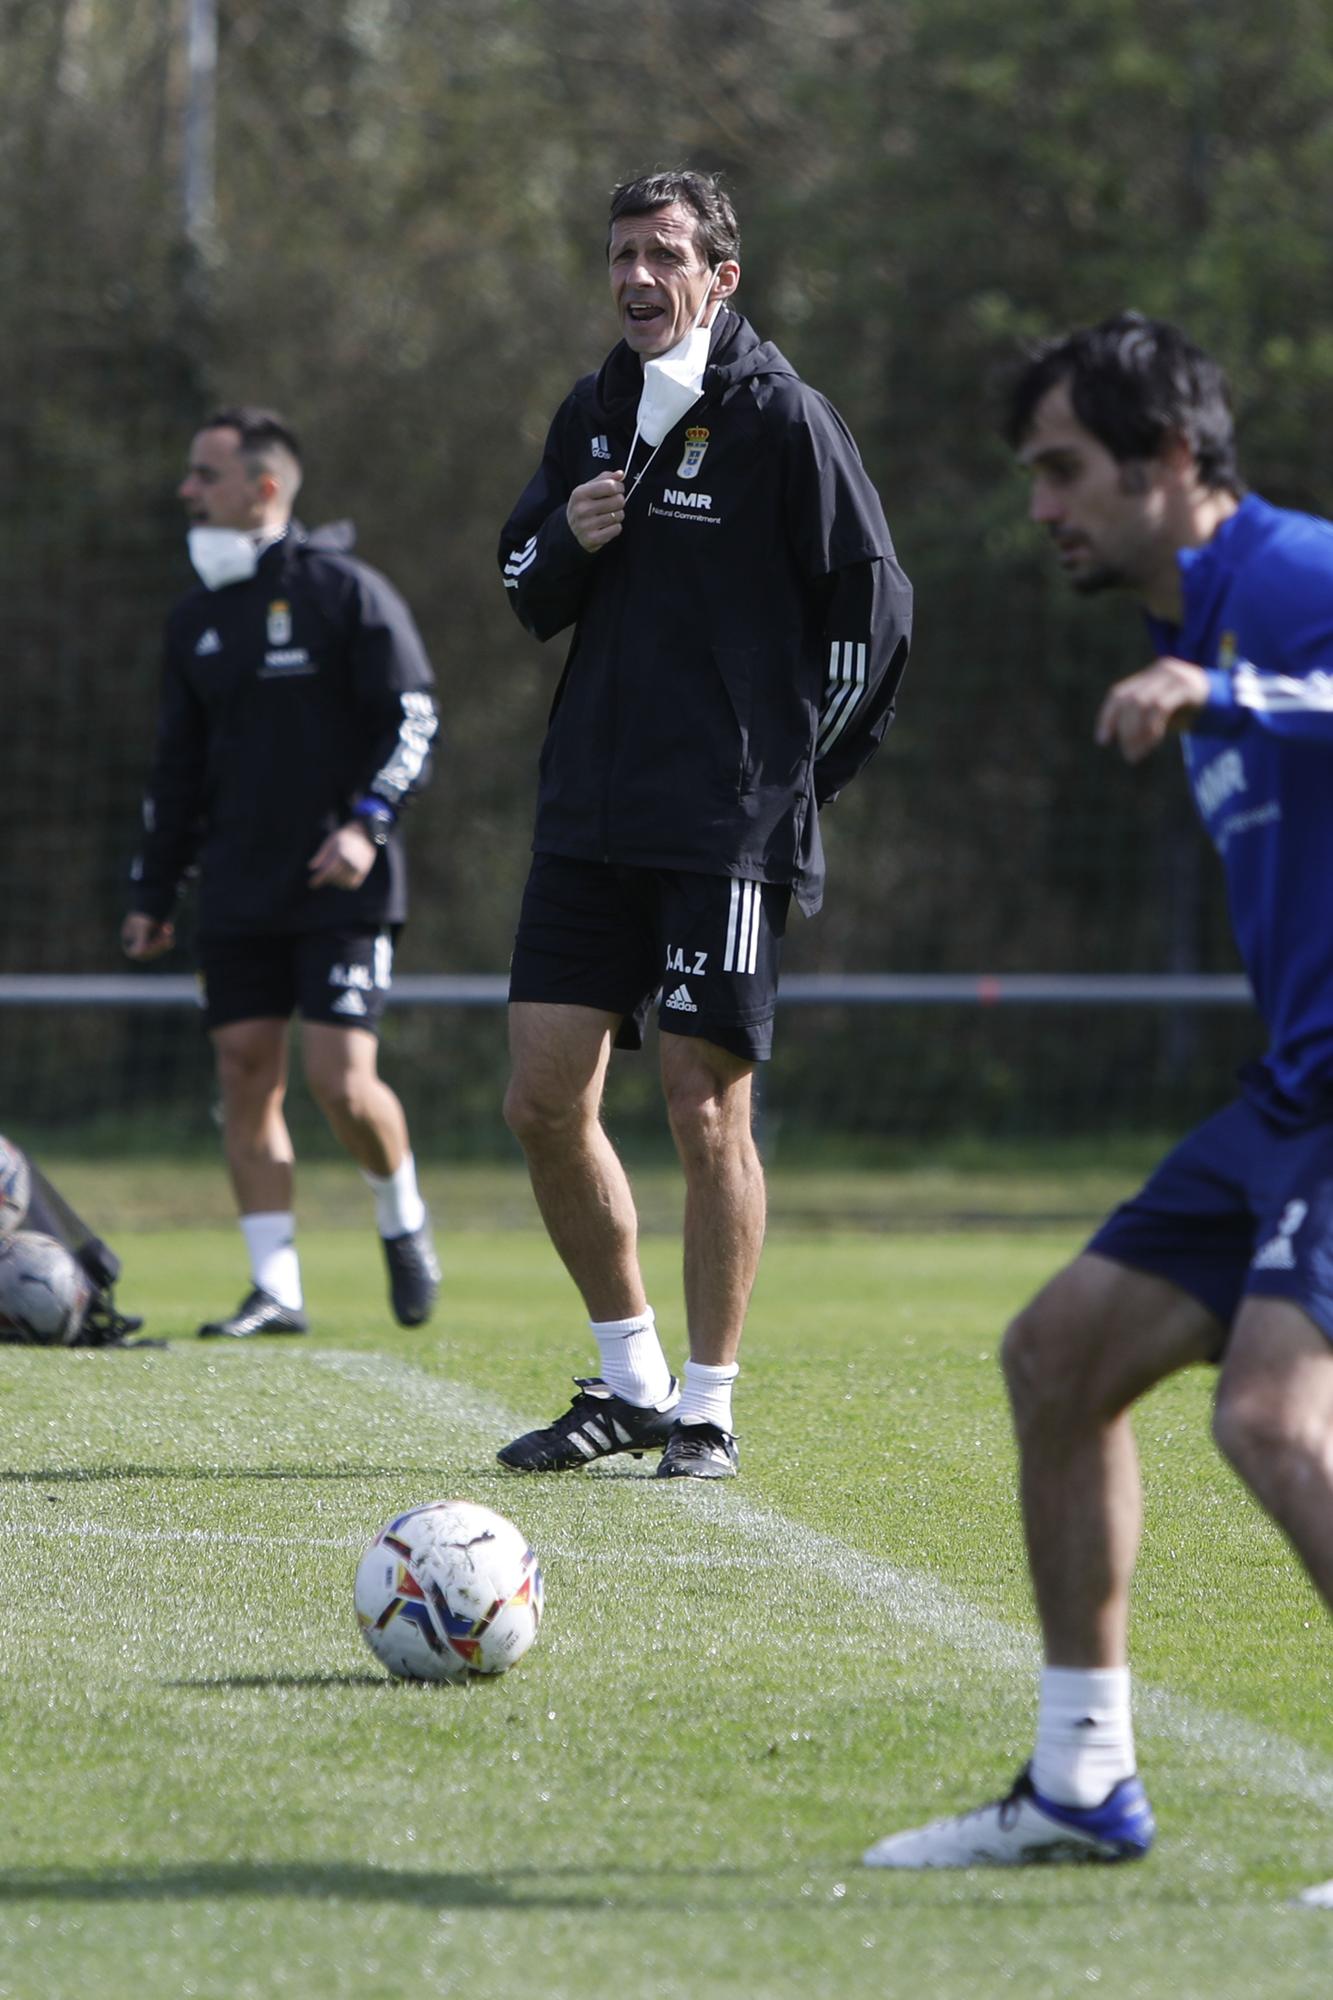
(1259, 617)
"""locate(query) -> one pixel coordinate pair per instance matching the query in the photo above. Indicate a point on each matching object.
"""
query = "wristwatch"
(377, 818)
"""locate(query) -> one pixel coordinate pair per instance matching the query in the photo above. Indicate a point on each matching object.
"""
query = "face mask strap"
(713, 270)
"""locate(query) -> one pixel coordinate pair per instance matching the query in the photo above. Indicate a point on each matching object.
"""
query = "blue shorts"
(1243, 1208)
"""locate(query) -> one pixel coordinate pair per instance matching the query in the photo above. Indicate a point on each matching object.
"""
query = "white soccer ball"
(44, 1290)
(448, 1591)
(15, 1186)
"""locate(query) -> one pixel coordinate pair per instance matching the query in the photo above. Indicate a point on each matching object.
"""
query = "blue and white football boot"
(1023, 1828)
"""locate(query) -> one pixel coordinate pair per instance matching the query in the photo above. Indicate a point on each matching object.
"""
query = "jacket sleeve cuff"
(1221, 714)
(1221, 693)
(564, 545)
(154, 903)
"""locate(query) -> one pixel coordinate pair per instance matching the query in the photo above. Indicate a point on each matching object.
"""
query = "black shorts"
(341, 977)
(706, 947)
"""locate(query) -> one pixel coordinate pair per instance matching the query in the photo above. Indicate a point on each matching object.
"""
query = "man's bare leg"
(1090, 1343)
(553, 1107)
(367, 1119)
(1075, 1359)
(1274, 1421)
(559, 1057)
(708, 1094)
(251, 1061)
(363, 1112)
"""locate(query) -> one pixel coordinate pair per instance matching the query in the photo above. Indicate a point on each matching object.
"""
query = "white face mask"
(222, 556)
(674, 382)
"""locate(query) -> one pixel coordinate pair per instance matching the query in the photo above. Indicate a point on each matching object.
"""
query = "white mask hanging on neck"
(674, 381)
(222, 556)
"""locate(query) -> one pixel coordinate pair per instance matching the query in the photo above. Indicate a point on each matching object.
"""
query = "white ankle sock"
(399, 1208)
(633, 1364)
(1085, 1737)
(270, 1239)
(705, 1396)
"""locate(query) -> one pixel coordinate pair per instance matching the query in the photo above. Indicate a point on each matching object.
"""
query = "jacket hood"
(735, 354)
(334, 538)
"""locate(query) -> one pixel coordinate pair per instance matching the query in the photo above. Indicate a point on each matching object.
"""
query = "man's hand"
(1140, 712)
(344, 860)
(596, 511)
(143, 937)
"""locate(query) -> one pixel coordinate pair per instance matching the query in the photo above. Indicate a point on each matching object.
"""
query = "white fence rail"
(815, 989)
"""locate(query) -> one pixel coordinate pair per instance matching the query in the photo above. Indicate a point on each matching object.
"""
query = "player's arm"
(393, 688)
(1140, 712)
(172, 824)
(867, 631)
(1292, 705)
(143, 937)
(836, 527)
(344, 859)
(1281, 681)
(550, 543)
(595, 511)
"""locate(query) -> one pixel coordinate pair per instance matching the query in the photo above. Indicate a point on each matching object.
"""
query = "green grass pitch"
(210, 1789)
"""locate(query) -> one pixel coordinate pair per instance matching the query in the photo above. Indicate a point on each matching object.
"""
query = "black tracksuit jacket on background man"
(285, 699)
(737, 647)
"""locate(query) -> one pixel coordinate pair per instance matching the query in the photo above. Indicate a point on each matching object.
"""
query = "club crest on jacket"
(696, 444)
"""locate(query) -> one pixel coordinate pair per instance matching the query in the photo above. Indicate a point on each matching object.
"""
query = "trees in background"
(409, 260)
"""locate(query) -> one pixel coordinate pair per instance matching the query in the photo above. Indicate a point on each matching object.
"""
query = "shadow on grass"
(81, 1475)
(427, 1889)
(484, 1472)
(228, 1683)
(1047, 1893)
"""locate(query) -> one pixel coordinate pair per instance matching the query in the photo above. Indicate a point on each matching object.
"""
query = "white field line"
(1257, 1759)
(1251, 1756)
(219, 1538)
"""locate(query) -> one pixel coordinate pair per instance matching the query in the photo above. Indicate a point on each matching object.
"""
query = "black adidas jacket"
(284, 700)
(738, 646)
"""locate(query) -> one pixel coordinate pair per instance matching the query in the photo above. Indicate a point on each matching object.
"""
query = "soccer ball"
(448, 1591)
(44, 1291)
(15, 1186)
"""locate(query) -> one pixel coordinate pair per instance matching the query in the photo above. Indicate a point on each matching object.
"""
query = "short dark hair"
(260, 430)
(717, 235)
(1134, 383)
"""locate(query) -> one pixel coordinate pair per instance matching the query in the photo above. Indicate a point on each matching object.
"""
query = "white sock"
(633, 1364)
(1085, 1737)
(705, 1396)
(399, 1208)
(270, 1239)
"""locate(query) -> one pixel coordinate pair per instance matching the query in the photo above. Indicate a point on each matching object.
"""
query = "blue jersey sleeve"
(1280, 679)
(1297, 705)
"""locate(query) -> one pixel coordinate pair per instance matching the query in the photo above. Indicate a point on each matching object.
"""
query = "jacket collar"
(1206, 573)
(735, 352)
